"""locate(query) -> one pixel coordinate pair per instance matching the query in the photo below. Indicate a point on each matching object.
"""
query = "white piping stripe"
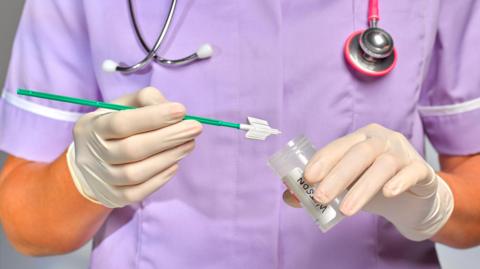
(38, 109)
(450, 109)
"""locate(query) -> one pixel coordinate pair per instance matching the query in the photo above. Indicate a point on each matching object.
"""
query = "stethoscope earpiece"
(371, 52)
(203, 52)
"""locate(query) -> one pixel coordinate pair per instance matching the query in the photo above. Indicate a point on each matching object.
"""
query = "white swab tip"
(258, 129)
(259, 135)
(205, 51)
(109, 66)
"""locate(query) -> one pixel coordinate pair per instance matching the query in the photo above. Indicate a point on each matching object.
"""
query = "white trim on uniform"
(41, 110)
(449, 109)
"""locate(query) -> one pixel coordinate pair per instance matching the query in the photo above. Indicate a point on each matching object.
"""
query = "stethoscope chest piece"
(370, 52)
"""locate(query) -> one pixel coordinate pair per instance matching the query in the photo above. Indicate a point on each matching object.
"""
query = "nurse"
(154, 191)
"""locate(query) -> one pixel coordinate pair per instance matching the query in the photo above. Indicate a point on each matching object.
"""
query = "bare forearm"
(463, 176)
(41, 210)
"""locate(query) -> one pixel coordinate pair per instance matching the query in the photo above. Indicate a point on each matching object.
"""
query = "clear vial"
(289, 163)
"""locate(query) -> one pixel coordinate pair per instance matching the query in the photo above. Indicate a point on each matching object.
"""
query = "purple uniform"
(277, 60)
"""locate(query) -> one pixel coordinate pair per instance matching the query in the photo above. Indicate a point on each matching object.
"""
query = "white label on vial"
(304, 192)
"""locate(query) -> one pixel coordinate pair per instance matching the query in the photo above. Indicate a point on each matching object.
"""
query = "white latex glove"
(121, 157)
(384, 175)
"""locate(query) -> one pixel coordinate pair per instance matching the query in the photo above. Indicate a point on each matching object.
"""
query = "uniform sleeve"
(50, 53)
(450, 98)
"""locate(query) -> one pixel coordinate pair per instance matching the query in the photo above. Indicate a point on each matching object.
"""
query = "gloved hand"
(384, 175)
(120, 157)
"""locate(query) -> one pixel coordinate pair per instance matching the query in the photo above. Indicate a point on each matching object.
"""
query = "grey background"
(9, 14)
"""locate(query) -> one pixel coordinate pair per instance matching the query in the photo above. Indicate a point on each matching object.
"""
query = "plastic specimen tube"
(289, 163)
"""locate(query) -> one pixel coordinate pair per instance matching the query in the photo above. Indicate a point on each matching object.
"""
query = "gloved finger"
(119, 196)
(138, 193)
(126, 123)
(348, 169)
(290, 199)
(327, 157)
(138, 172)
(409, 177)
(144, 97)
(370, 183)
(144, 145)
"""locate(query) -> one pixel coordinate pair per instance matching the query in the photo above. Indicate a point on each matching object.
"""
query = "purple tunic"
(274, 59)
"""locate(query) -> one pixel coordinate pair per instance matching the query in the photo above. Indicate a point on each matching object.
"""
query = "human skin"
(42, 212)
(462, 173)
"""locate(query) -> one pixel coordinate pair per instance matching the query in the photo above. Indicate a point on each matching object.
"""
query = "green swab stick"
(257, 129)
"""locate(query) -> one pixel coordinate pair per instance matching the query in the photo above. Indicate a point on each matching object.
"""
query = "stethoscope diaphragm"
(365, 63)
(371, 52)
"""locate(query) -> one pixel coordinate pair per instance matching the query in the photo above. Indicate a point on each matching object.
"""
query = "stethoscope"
(370, 52)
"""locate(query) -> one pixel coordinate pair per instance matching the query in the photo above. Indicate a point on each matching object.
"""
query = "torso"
(277, 60)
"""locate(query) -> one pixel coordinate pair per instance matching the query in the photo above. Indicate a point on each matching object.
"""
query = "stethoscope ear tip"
(205, 51)
(109, 66)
